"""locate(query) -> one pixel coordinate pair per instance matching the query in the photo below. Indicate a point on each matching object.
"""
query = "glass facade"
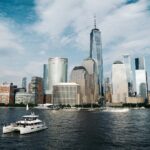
(140, 78)
(24, 83)
(45, 78)
(57, 71)
(96, 54)
(66, 93)
(90, 66)
(139, 63)
(80, 76)
(141, 83)
(127, 62)
(119, 83)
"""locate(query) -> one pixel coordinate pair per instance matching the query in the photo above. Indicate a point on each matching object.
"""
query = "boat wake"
(116, 110)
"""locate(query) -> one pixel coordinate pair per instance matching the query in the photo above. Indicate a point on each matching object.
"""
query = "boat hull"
(23, 129)
(26, 130)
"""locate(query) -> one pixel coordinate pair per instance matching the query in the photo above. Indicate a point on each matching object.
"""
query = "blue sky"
(31, 31)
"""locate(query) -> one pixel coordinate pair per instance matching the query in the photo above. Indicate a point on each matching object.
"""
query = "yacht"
(28, 124)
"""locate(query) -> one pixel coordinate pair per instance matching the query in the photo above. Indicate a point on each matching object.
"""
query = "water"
(74, 130)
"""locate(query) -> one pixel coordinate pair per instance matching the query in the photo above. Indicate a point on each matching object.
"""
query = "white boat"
(28, 124)
(44, 106)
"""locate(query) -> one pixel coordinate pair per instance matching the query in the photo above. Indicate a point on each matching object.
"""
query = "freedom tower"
(96, 54)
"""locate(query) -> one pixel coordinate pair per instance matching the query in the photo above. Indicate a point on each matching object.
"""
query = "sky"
(31, 31)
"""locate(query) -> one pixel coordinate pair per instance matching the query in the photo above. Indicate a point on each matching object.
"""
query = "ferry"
(28, 124)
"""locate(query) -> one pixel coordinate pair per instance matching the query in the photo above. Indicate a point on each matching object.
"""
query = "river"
(80, 130)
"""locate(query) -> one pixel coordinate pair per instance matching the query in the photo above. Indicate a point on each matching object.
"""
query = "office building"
(141, 83)
(90, 65)
(119, 83)
(127, 62)
(96, 54)
(7, 91)
(36, 88)
(66, 94)
(24, 98)
(107, 90)
(80, 76)
(24, 83)
(139, 63)
(45, 78)
(55, 72)
(140, 78)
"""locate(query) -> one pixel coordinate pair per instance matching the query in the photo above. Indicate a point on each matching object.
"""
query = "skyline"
(34, 30)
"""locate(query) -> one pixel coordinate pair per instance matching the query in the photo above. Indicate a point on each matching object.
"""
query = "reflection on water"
(80, 130)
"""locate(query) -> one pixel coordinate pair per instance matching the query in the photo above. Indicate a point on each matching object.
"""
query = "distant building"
(127, 62)
(54, 72)
(119, 83)
(45, 77)
(66, 93)
(90, 66)
(57, 71)
(24, 83)
(96, 54)
(80, 76)
(135, 100)
(107, 90)
(24, 98)
(36, 88)
(149, 97)
(140, 63)
(7, 93)
(141, 83)
(141, 78)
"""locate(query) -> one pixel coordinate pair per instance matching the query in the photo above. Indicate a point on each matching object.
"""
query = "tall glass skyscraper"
(119, 82)
(140, 77)
(96, 54)
(57, 71)
(24, 83)
(127, 62)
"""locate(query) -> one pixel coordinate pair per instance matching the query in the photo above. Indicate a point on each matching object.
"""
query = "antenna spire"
(95, 21)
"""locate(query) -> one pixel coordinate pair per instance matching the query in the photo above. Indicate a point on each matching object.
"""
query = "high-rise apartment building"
(96, 54)
(119, 83)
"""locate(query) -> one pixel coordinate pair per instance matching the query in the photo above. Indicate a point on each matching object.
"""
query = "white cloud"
(9, 42)
(125, 29)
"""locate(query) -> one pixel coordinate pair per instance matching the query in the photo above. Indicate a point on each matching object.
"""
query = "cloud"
(127, 31)
(9, 42)
(63, 28)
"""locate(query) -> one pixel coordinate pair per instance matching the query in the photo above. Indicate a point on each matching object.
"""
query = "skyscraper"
(36, 88)
(127, 62)
(91, 68)
(140, 77)
(96, 54)
(45, 77)
(24, 83)
(139, 63)
(119, 83)
(57, 71)
(80, 76)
